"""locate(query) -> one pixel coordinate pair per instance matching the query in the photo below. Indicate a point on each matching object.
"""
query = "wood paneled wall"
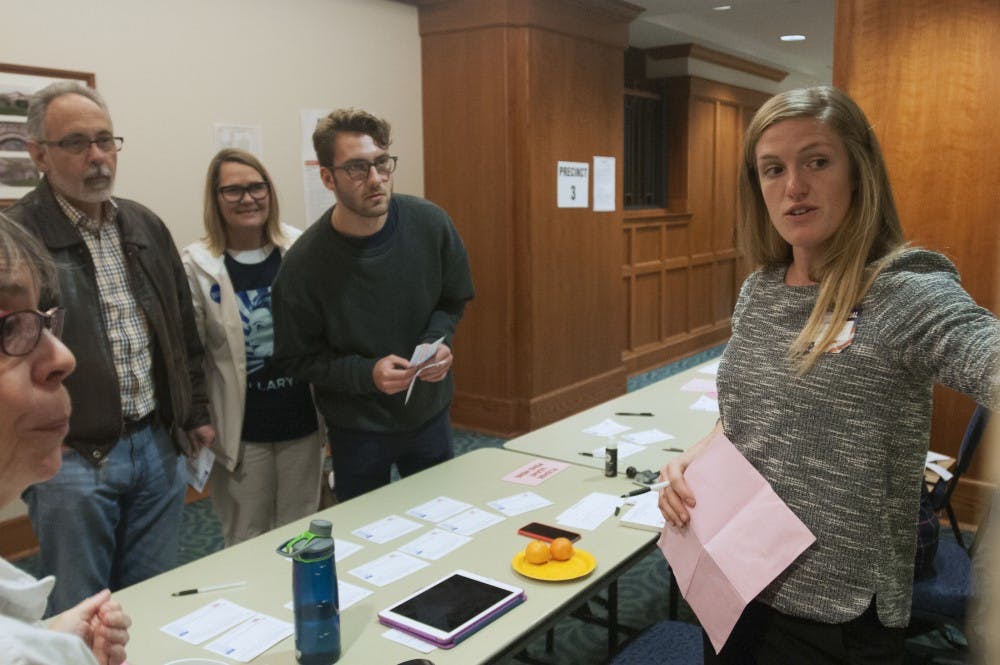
(925, 72)
(510, 87)
(681, 270)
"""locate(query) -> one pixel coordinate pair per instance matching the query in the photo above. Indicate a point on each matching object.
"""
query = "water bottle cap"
(313, 545)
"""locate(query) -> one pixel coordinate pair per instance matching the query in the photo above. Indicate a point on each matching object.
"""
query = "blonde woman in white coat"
(269, 444)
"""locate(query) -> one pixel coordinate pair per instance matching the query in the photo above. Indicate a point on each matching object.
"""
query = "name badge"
(844, 337)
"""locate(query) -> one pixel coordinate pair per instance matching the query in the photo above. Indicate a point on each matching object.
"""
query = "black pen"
(647, 488)
(674, 450)
(631, 413)
(217, 587)
(586, 454)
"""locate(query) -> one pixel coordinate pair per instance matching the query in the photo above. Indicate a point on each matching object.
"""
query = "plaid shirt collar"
(80, 219)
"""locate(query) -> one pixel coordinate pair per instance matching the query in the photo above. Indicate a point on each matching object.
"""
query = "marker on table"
(586, 454)
(217, 587)
(674, 450)
(633, 413)
(647, 488)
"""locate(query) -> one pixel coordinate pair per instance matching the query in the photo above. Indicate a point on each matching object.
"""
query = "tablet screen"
(451, 602)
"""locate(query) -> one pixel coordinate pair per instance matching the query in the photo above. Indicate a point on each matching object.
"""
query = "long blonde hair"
(858, 249)
(215, 226)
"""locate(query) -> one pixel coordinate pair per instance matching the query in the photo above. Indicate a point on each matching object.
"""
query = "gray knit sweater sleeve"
(844, 445)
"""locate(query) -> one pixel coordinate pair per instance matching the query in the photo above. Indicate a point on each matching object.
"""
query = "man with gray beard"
(111, 516)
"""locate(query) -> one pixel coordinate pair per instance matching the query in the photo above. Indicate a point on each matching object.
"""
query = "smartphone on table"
(547, 533)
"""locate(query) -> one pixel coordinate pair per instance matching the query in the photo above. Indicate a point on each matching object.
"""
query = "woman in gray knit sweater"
(826, 383)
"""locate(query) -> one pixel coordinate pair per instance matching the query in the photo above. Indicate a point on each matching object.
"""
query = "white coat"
(221, 333)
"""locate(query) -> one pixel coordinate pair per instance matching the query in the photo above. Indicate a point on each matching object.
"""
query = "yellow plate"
(580, 564)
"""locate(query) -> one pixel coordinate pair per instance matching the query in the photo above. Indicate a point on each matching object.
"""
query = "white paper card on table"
(251, 638)
(420, 359)
(607, 427)
(435, 544)
(646, 437)
(408, 640)
(740, 538)
(697, 385)
(535, 472)
(199, 468)
(590, 511)
(644, 512)
(518, 504)
(439, 509)
(343, 549)
(625, 450)
(935, 457)
(388, 568)
(711, 368)
(386, 529)
(707, 404)
(471, 521)
(347, 595)
(207, 621)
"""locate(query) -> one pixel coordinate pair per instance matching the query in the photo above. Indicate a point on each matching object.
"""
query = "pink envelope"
(741, 536)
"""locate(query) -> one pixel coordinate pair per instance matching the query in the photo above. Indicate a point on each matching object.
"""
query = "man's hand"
(392, 374)
(200, 437)
(102, 625)
(437, 367)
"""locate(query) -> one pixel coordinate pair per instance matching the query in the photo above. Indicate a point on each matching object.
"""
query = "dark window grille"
(645, 155)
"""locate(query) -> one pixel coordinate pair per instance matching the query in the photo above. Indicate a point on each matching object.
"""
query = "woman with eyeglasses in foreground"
(34, 420)
(269, 445)
(825, 386)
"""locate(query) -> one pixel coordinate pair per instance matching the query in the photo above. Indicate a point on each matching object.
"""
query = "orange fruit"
(561, 549)
(536, 552)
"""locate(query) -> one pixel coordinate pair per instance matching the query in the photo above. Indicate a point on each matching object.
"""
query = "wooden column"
(924, 71)
(511, 87)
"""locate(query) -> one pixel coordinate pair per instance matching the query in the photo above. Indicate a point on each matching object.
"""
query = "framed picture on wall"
(17, 83)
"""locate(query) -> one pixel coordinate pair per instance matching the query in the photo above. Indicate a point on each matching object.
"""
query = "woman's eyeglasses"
(234, 193)
(20, 331)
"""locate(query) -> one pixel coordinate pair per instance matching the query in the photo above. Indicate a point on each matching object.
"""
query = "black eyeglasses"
(234, 193)
(359, 169)
(78, 143)
(20, 331)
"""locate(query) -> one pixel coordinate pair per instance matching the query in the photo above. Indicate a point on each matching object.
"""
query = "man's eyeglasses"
(359, 169)
(78, 143)
(234, 193)
(20, 331)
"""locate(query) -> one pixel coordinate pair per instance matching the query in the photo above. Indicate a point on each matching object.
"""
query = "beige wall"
(169, 70)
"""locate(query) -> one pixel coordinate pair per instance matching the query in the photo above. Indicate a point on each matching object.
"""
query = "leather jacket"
(161, 290)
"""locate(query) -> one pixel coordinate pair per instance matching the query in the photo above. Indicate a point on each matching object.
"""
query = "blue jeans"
(113, 525)
(362, 461)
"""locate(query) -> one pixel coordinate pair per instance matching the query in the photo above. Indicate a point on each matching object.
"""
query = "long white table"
(474, 478)
(564, 440)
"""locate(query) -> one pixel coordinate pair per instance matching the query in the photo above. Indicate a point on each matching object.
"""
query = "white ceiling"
(749, 30)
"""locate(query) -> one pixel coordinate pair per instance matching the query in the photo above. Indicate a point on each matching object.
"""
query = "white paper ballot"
(625, 450)
(711, 368)
(435, 544)
(408, 640)
(251, 638)
(420, 359)
(707, 404)
(590, 511)
(607, 427)
(387, 569)
(199, 467)
(347, 595)
(519, 503)
(206, 621)
(386, 529)
(471, 521)
(644, 512)
(343, 549)
(439, 509)
(647, 437)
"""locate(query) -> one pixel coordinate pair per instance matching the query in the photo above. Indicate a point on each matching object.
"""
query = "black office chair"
(943, 489)
(664, 643)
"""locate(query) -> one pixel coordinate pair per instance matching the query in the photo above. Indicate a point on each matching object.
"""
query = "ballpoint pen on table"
(633, 413)
(216, 587)
(647, 488)
(674, 450)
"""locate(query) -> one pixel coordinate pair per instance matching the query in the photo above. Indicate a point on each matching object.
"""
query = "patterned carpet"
(643, 591)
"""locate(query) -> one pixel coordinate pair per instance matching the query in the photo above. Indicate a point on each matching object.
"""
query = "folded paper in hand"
(422, 355)
(741, 536)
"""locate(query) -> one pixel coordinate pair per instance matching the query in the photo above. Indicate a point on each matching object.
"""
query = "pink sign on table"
(741, 536)
(536, 472)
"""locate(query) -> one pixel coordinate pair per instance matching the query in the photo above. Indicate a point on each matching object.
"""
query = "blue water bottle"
(314, 594)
